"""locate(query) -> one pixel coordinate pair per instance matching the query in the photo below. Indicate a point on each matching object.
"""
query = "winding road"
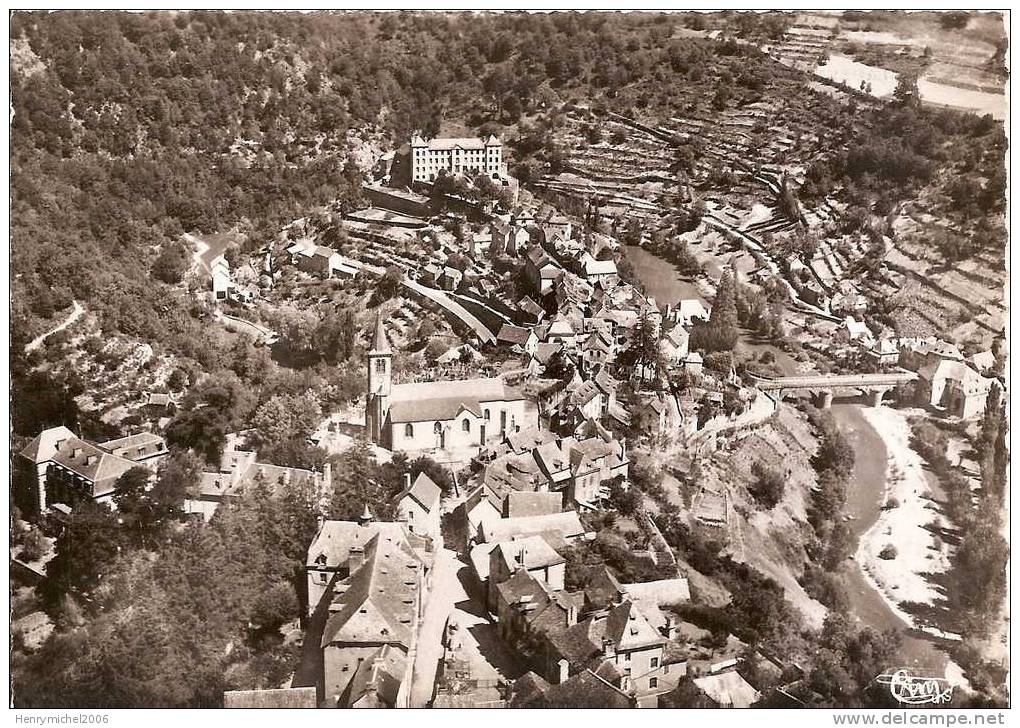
(71, 318)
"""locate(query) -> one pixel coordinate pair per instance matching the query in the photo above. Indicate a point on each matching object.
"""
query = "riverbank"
(865, 497)
(901, 529)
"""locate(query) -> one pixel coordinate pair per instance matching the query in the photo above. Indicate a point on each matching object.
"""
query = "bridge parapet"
(833, 381)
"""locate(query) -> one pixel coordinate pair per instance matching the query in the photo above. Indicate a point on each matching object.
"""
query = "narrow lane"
(442, 597)
(71, 318)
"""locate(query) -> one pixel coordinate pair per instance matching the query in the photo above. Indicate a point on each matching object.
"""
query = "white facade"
(458, 156)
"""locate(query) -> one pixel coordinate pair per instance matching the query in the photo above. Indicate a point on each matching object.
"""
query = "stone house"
(418, 505)
(57, 466)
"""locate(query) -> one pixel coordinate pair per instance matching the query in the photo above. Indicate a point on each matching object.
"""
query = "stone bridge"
(822, 385)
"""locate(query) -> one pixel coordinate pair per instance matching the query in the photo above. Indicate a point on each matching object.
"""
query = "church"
(451, 416)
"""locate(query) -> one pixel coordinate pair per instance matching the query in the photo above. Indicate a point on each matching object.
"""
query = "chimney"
(672, 626)
(608, 649)
(521, 560)
(91, 459)
(571, 615)
(407, 481)
(76, 453)
(327, 475)
(286, 476)
(366, 516)
(564, 671)
(355, 558)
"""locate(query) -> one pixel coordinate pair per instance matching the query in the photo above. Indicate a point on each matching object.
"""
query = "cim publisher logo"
(910, 689)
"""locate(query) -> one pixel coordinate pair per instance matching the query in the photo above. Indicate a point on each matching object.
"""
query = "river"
(843, 69)
(661, 278)
(865, 496)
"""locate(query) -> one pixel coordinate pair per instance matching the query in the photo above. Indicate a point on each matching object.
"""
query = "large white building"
(471, 155)
(451, 416)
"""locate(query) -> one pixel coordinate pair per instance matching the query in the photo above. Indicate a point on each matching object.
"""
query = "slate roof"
(514, 334)
(528, 305)
(523, 503)
(378, 603)
(92, 463)
(536, 550)
(579, 643)
(136, 447)
(522, 587)
(602, 588)
(598, 692)
(661, 593)
(380, 342)
(427, 401)
(584, 393)
(44, 445)
(545, 350)
(691, 308)
(272, 698)
(528, 688)
(528, 439)
(424, 491)
(449, 143)
(595, 267)
(629, 630)
(335, 540)
(946, 369)
(566, 524)
(377, 679)
(728, 689)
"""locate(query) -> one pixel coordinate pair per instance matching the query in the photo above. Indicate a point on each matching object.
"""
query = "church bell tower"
(380, 369)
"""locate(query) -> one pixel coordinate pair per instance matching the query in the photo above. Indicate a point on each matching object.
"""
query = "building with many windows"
(452, 416)
(64, 468)
(471, 155)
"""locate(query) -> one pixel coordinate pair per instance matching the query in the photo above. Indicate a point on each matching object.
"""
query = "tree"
(357, 483)
(626, 501)
(643, 351)
(138, 513)
(33, 546)
(208, 413)
(295, 452)
(179, 477)
(686, 694)
(275, 606)
(769, 485)
(85, 550)
(388, 285)
(720, 332)
(172, 263)
(286, 416)
(906, 92)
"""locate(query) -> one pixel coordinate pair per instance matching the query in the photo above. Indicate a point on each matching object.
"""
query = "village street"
(449, 600)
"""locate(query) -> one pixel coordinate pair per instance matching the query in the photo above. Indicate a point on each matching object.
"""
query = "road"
(756, 244)
(833, 380)
(71, 318)
(441, 298)
(442, 597)
(257, 330)
(454, 597)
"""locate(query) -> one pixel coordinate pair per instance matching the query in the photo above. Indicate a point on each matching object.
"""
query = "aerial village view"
(508, 360)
